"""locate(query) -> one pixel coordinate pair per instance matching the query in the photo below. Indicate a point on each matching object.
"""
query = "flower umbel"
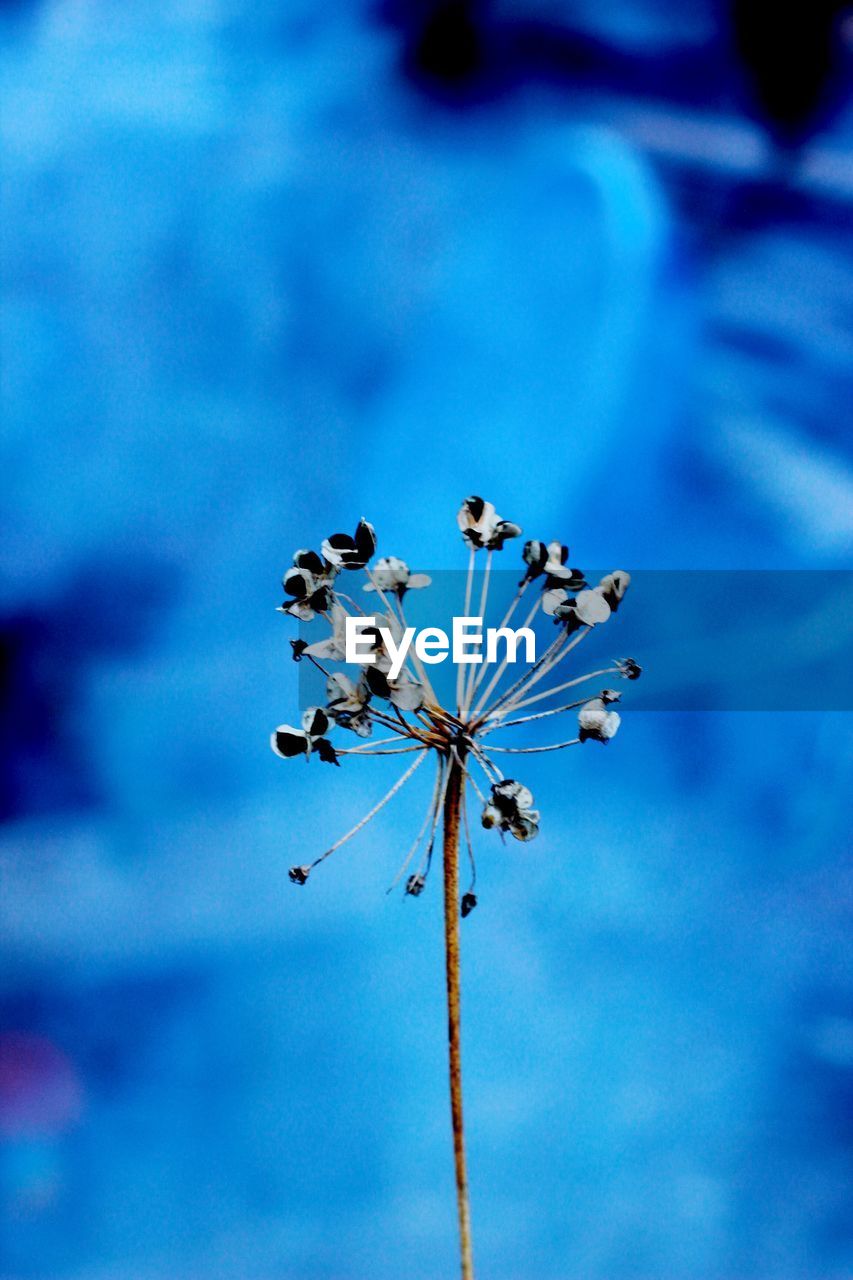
(459, 738)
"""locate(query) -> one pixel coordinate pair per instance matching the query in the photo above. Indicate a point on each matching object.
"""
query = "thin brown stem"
(452, 803)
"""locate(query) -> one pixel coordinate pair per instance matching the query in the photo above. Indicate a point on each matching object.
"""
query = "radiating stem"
(522, 587)
(452, 801)
(401, 782)
(481, 701)
(551, 658)
(481, 613)
(466, 609)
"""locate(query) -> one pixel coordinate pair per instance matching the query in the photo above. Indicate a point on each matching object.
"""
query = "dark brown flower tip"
(467, 905)
(298, 875)
(288, 742)
(415, 885)
(296, 583)
(308, 560)
(377, 681)
(326, 751)
(365, 542)
(316, 721)
(630, 669)
(298, 647)
(535, 556)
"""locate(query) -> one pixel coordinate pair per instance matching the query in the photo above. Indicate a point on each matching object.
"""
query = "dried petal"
(406, 693)
(481, 526)
(596, 722)
(390, 573)
(377, 682)
(344, 552)
(365, 543)
(315, 721)
(510, 810)
(613, 587)
(326, 751)
(288, 742)
(298, 583)
(591, 607)
(393, 574)
(333, 648)
(535, 555)
(513, 793)
(491, 817)
(309, 560)
(556, 599)
(525, 826)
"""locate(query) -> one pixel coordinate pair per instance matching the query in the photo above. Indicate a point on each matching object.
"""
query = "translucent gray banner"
(707, 640)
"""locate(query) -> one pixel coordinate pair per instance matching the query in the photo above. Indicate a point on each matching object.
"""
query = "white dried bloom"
(348, 703)
(588, 608)
(551, 559)
(393, 574)
(333, 648)
(404, 692)
(613, 587)
(510, 809)
(535, 556)
(596, 722)
(481, 526)
(345, 552)
(288, 742)
(555, 562)
(309, 584)
(457, 737)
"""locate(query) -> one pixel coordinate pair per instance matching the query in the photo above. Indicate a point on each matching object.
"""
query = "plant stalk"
(452, 802)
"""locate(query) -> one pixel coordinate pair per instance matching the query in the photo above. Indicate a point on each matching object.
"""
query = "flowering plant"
(455, 737)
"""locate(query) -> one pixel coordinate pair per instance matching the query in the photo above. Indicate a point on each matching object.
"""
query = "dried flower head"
(460, 737)
(550, 559)
(345, 552)
(393, 574)
(481, 525)
(399, 700)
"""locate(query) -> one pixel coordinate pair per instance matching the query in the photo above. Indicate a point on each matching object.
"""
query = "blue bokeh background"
(270, 267)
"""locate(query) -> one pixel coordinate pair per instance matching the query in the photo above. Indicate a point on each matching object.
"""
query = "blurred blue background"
(270, 267)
